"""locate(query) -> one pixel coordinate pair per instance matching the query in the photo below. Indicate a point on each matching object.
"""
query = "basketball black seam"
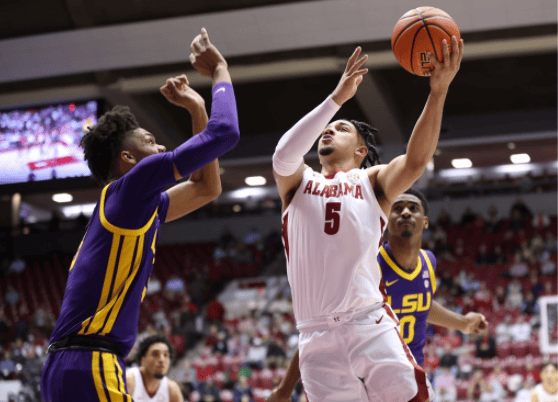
(403, 31)
(413, 46)
(429, 35)
(442, 28)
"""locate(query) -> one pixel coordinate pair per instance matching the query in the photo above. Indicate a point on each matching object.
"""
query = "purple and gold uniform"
(410, 295)
(109, 274)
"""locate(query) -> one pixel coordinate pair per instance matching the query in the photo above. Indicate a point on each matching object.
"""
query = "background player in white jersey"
(547, 390)
(148, 382)
(332, 225)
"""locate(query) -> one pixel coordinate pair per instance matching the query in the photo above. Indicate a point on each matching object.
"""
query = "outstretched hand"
(444, 72)
(475, 324)
(351, 79)
(205, 57)
(177, 92)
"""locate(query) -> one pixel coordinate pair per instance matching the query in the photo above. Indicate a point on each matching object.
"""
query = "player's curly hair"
(368, 133)
(421, 197)
(151, 340)
(103, 142)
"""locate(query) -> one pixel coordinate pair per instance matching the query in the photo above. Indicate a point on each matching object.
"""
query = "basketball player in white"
(350, 347)
(148, 383)
(547, 390)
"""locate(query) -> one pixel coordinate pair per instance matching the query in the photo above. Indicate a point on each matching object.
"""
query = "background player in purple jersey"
(410, 283)
(108, 277)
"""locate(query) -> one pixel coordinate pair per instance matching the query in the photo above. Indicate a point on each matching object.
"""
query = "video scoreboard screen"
(43, 143)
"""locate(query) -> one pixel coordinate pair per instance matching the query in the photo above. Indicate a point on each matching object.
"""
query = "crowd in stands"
(498, 265)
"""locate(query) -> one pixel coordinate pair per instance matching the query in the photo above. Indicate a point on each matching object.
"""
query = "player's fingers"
(359, 73)
(461, 49)
(197, 48)
(192, 58)
(183, 79)
(205, 36)
(454, 49)
(445, 50)
(433, 60)
(353, 58)
(358, 64)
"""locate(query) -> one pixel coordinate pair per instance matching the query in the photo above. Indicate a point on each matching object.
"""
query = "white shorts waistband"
(325, 322)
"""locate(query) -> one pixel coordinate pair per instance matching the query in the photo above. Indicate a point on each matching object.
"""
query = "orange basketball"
(418, 32)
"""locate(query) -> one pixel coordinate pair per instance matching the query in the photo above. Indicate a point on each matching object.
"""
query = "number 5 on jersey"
(332, 218)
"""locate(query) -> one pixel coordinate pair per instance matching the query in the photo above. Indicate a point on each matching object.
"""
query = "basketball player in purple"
(409, 281)
(408, 273)
(108, 276)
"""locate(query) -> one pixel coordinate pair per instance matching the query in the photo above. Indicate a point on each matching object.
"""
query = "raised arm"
(400, 174)
(288, 162)
(217, 135)
(470, 323)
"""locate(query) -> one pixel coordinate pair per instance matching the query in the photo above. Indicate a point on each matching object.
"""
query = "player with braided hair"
(108, 276)
(350, 348)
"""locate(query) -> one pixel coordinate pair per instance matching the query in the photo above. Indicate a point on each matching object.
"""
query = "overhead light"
(62, 197)
(73, 211)
(520, 158)
(255, 181)
(461, 163)
(438, 151)
(221, 171)
(511, 145)
(236, 208)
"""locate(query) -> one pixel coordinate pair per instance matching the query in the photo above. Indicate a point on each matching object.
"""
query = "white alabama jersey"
(544, 396)
(141, 395)
(331, 232)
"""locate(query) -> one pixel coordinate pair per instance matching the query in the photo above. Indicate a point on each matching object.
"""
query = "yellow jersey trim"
(430, 270)
(405, 275)
(121, 231)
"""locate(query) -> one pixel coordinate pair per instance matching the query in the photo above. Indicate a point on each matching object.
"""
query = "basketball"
(418, 32)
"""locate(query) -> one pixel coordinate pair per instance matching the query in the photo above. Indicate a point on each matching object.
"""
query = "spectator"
(12, 296)
(468, 281)
(256, 354)
(153, 286)
(215, 311)
(452, 339)
(485, 347)
(494, 222)
(548, 289)
(515, 294)
(526, 253)
(541, 221)
(483, 297)
(159, 318)
(519, 268)
(537, 247)
(187, 379)
(444, 219)
(212, 338)
(455, 290)
(478, 386)
(520, 207)
(499, 297)
(174, 286)
(550, 243)
(43, 321)
(444, 386)
(498, 382)
(209, 388)
(219, 253)
(7, 366)
(483, 257)
(242, 388)
(204, 372)
(521, 330)
(548, 267)
(498, 255)
(253, 236)
(220, 347)
(479, 223)
(504, 330)
(468, 217)
(536, 286)
(448, 359)
(281, 305)
(275, 354)
(524, 393)
(17, 266)
(517, 223)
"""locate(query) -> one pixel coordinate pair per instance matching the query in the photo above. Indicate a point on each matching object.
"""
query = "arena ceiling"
(285, 58)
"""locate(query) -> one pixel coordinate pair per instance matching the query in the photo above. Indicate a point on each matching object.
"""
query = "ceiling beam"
(272, 71)
(258, 30)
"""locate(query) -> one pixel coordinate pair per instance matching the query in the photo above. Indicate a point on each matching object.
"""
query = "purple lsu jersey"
(109, 273)
(410, 295)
